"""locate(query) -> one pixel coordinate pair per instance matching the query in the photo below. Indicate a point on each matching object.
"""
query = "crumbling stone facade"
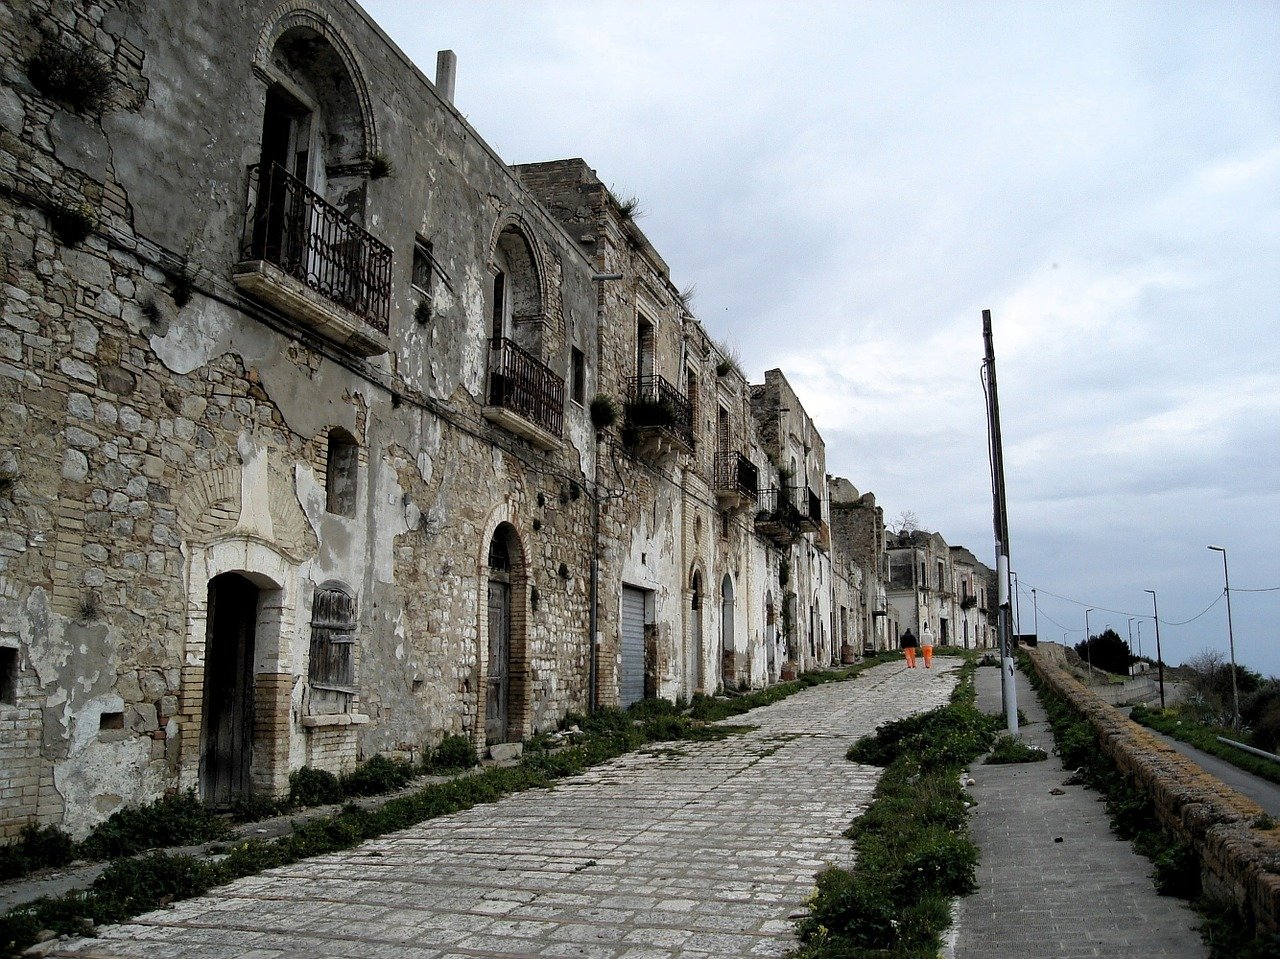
(300, 456)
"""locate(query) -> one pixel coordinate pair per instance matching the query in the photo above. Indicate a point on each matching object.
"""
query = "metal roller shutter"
(631, 685)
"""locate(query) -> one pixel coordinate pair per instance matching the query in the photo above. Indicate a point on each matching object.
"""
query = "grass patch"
(913, 849)
(1008, 750)
(1204, 737)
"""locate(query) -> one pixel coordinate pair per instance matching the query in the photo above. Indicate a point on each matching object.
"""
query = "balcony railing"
(736, 475)
(778, 517)
(522, 384)
(289, 225)
(654, 404)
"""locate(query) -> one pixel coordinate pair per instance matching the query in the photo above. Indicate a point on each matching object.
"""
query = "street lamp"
(1159, 658)
(1139, 639)
(1035, 607)
(1088, 646)
(1231, 640)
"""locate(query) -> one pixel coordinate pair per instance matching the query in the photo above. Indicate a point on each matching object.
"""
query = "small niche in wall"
(110, 721)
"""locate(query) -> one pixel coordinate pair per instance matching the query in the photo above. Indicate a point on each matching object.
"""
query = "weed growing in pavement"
(37, 847)
(913, 850)
(1010, 750)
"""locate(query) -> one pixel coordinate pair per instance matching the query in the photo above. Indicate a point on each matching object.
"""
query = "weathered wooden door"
(495, 716)
(227, 740)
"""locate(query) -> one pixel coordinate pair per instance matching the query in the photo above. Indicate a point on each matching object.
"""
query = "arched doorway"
(226, 749)
(771, 636)
(497, 713)
(693, 664)
(729, 666)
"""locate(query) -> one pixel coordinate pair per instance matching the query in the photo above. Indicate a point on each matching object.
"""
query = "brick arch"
(511, 222)
(504, 519)
(210, 505)
(304, 13)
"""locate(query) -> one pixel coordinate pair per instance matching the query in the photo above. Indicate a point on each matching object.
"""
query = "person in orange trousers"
(926, 646)
(908, 644)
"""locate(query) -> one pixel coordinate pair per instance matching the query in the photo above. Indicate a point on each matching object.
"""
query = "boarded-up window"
(333, 639)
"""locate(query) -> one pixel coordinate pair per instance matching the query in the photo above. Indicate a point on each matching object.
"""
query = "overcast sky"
(850, 184)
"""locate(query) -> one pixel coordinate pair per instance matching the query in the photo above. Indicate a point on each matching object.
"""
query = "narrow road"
(693, 850)
(1262, 791)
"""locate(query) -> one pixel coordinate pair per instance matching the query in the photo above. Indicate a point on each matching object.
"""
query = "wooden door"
(498, 687)
(227, 741)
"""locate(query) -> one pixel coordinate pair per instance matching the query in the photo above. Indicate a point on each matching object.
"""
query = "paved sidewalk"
(1054, 882)
(651, 856)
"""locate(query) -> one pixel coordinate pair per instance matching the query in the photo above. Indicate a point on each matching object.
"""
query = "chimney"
(446, 73)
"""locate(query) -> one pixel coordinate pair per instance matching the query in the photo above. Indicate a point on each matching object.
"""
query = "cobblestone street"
(692, 849)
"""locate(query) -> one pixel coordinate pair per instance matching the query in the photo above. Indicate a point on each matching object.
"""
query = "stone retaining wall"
(1238, 859)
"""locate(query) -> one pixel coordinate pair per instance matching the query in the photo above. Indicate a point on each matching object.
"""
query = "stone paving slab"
(1089, 894)
(699, 850)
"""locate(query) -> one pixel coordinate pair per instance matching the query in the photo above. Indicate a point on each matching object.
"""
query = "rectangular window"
(422, 260)
(579, 376)
(333, 637)
(8, 676)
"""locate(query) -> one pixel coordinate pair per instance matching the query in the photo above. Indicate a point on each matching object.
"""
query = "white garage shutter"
(631, 687)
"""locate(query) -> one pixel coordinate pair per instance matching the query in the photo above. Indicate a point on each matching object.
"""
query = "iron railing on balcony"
(778, 514)
(521, 383)
(291, 226)
(655, 403)
(736, 474)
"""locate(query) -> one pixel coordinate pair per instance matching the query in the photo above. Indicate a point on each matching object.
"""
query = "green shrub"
(376, 775)
(179, 820)
(72, 224)
(454, 752)
(37, 847)
(314, 787)
(941, 862)
(1010, 750)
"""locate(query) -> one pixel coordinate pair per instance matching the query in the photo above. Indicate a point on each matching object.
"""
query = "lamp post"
(1130, 642)
(1035, 611)
(1159, 658)
(1231, 640)
(1088, 646)
(1139, 639)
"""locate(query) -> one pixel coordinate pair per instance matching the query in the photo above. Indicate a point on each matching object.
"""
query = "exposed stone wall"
(1239, 859)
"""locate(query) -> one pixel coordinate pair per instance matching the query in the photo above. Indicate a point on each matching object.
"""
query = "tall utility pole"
(1035, 612)
(1231, 638)
(1155, 608)
(1000, 517)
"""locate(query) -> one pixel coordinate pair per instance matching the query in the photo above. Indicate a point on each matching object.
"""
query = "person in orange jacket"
(908, 643)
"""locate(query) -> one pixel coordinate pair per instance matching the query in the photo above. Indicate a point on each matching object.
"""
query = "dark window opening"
(499, 558)
(333, 638)
(108, 721)
(645, 345)
(422, 260)
(579, 376)
(341, 467)
(499, 303)
(8, 676)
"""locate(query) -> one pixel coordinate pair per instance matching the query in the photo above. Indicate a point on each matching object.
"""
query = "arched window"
(342, 464)
(516, 301)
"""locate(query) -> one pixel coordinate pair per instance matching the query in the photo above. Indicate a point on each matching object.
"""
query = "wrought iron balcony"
(308, 258)
(809, 507)
(524, 395)
(737, 479)
(778, 517)
(657, 408)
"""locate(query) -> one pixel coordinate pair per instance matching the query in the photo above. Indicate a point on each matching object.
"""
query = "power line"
(1118, 612)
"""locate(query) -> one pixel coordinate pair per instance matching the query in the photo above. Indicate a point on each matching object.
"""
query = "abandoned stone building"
(327, 433)
(928, 583)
